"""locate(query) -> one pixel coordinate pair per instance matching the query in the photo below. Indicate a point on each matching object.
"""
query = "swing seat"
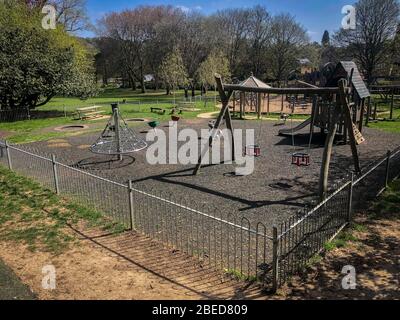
(175, 118)
(154, 124)
(253, 151)
(301, 159)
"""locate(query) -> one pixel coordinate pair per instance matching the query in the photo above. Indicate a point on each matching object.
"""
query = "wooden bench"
(186, 105)
(89, 113)
(158, 110)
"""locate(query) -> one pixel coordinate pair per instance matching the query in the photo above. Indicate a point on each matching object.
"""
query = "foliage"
(172, 70)
(287, 39)
(38, 218)
(216, 62)
(368, 43)
(37, 64)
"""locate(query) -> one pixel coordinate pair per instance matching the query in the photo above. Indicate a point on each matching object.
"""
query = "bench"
(186, 105)
(158, 110)
(89, 113)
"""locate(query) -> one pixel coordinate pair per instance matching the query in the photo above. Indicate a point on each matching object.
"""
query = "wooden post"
(327, 154)
(368, 112)
(225, 113)
(349, 124)
(376, 111)
(282, 103)
(259, 105)
(362, 113)
(242, 105)
(268, 104)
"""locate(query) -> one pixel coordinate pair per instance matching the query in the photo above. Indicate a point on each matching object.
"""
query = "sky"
(315, 15)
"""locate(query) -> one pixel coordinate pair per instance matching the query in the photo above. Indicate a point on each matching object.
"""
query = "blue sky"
(315, 15)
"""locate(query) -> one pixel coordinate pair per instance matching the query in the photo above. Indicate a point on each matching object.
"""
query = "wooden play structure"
(251, 101)
(337, 110)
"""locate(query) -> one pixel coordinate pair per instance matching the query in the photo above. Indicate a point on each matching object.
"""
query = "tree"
(326, 39)
(37, 64)
(136, 32)
(71, 14)
(287, 38)
(376, 24)
(259, 34)
(216, 62)
(172, 71)
(233, 26)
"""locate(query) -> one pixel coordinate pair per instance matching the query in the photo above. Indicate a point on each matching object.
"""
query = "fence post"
(8, 155)
(389, 154)
(131, 210)
(275, 260)
(350, 200)
(55, 174)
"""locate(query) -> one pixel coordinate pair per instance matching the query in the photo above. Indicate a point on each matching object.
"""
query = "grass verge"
(34, 216)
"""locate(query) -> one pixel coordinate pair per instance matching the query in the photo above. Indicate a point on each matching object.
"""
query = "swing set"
(333, 118)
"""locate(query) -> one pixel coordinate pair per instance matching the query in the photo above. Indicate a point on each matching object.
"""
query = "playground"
(274, 192)
(261, 225)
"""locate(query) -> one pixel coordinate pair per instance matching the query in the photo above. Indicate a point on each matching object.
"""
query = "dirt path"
(375, 255)
(128, 266)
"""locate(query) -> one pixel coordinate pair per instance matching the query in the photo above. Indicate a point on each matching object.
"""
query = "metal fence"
(228, 242)
(223, 241)
(14, 115)
(300, 238)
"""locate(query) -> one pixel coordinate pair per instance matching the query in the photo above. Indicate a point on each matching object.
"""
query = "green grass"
(341, 241)
(384, 107)
(38, 218)
(112, 95)
(388, 206)
(61, 110)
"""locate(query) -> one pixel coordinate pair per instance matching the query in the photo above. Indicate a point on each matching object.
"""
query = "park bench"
(183, 105)
(158, 110)
(89, 113)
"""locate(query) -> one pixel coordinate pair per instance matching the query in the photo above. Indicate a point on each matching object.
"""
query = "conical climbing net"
(117, 138)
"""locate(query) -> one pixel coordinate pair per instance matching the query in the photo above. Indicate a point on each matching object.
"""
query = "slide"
(290, 131)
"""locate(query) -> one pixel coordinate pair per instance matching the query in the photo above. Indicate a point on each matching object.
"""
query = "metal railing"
(299, 239)
(219, 240)
(228, 242)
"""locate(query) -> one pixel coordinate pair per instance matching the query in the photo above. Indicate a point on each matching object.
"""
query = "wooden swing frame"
(342, 108)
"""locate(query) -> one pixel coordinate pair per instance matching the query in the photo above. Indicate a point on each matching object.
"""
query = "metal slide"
(290, 131)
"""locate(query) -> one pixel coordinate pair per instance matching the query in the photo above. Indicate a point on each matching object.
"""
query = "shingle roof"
(252, 82)
(357, 80)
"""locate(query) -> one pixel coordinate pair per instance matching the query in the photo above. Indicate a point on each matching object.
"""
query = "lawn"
(38, 218)
(383, 108)
(61, 112)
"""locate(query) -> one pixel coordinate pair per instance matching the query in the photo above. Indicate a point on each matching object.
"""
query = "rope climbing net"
(117, 138)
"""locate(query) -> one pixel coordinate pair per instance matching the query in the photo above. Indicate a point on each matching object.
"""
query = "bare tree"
(376, 24)
(233, 26)
(287, 38)
(70, 13)
(259, 34)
